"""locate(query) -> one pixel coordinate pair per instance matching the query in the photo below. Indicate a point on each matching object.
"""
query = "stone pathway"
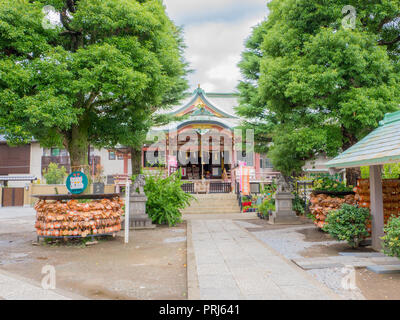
(345, 261)
(230, 263)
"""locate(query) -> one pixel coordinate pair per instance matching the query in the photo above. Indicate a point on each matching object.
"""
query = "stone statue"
(139, 183)
(138, 218)
(283, 186)
(283, 213)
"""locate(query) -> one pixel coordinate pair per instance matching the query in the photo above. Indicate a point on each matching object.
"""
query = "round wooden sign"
(77, 182)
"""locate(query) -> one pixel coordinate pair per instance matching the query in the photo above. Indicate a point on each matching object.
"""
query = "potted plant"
(246, 208)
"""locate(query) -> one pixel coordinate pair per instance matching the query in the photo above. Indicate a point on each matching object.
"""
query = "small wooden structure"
(380, 147)
(66, 220)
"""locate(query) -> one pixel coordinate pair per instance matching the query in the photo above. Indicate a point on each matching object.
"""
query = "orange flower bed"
(59, 219)
(322, 204)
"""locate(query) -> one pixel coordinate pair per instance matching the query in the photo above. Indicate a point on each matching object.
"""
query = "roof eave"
(363, 163)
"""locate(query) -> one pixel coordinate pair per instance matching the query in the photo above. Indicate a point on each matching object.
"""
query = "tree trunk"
(136, 160)
(77, 145)
(352, 174)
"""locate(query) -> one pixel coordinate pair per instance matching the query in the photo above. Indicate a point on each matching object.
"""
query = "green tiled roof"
(379, 147)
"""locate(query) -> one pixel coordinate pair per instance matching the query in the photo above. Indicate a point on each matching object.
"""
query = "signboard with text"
(77, 182)
(245, 180)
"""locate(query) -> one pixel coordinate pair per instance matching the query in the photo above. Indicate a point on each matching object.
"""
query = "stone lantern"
(138, 218)
(283, 213)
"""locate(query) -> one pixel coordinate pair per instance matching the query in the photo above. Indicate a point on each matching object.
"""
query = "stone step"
(211, 212)
(212, 204)
(216, 196)
(389, 269)
(343, 261)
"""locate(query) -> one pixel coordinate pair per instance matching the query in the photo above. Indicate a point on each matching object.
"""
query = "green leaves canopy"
(107, 65)
(315, 86)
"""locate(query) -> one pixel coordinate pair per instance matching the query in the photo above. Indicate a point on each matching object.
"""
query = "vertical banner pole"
(127, 193)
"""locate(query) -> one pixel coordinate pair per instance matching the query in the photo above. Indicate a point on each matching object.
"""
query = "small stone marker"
(98, 188)
(92, 243)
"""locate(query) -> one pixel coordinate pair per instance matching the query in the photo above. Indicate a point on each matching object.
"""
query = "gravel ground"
(334, 277)
(291, 243)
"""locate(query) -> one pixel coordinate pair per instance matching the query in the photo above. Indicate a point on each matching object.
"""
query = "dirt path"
(378, 286)
(151, 266)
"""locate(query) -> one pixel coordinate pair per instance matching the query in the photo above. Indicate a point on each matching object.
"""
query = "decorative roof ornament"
(202, 111)
(202, 132)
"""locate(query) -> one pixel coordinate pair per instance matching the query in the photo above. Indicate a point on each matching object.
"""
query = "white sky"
(215, 32)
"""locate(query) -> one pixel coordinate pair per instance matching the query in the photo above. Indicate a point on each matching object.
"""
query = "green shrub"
(391, 242)
(166, 198)
(298, 204)
(267, 205)
(330, 184)
(269, 189)
(348, 224)
(54, 174)
(390, 171)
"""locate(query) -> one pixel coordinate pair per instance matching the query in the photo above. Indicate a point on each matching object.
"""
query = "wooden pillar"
(257, 158)
(125, 164)
(376, 195)
(143, 163)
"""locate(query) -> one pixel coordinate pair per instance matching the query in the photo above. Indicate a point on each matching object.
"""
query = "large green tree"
(106, 66)
(316, 87)
(130, 128)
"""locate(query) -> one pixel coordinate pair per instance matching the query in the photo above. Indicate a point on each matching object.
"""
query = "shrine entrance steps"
(213, 204)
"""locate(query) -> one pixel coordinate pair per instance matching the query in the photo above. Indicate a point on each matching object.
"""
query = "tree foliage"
(314, 86)
(94, 79)
(54, 174)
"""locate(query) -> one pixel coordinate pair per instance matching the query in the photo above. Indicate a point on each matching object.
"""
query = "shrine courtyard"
(213, 257)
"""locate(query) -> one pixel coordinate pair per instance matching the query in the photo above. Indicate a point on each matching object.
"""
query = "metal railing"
(220, 187)
(188, 187)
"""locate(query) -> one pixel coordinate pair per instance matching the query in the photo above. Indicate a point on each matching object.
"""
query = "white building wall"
(36, 160)
(111, 167)
(34, 166)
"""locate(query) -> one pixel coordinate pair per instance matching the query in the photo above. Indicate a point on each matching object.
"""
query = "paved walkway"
(16, 212)
(227, 262)
(13, 287)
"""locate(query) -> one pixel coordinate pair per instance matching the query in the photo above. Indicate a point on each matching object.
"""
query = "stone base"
(138, 219)
(139, 223)
(290, 219)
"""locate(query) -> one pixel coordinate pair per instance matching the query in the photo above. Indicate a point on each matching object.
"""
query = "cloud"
(190, 11)
(214, 50)
(215, 32)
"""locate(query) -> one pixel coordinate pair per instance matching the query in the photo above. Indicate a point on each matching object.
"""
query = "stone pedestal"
(284, 213)
(138, 218)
